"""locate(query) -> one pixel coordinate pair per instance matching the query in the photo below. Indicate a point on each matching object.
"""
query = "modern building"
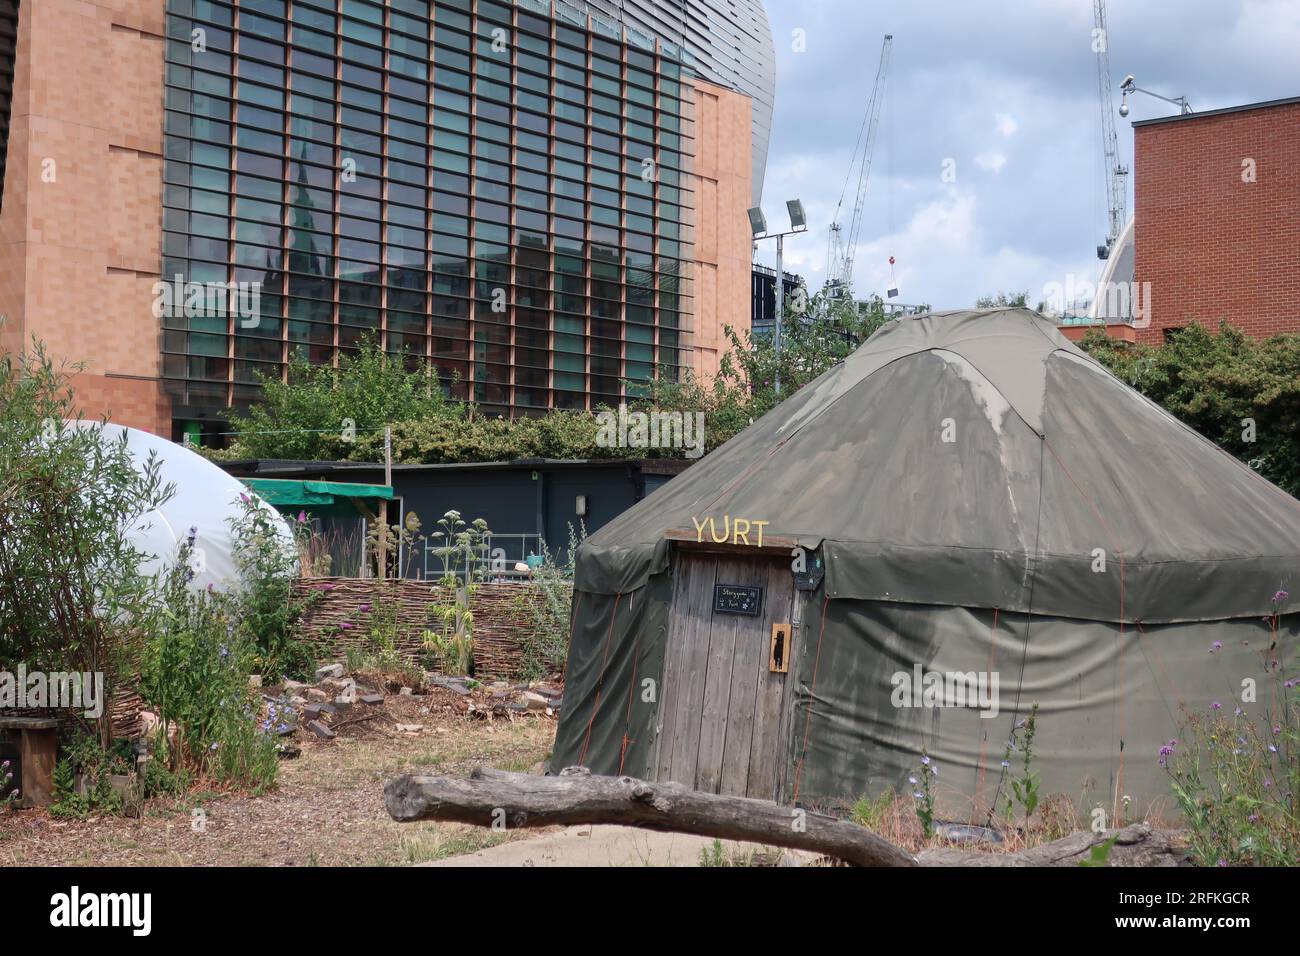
(763, 298)
(1215, 234)
(728, 42)
(541, 201)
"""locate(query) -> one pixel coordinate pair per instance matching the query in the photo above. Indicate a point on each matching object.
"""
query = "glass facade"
(499, 189)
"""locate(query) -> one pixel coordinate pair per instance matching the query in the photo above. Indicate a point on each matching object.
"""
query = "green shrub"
(313, 413)
(72, 596)
(548, 609)
(195, 672)
(1236, 785)
(269, 606)
(86, 757)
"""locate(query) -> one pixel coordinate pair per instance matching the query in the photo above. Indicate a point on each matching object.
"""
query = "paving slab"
(607, 846)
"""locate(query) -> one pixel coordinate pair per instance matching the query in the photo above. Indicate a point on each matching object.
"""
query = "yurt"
(966, 519)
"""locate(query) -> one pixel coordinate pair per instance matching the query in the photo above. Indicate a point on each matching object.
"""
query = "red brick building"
(1217, 218)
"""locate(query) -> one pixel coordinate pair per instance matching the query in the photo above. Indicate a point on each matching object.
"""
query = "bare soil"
(327, 808)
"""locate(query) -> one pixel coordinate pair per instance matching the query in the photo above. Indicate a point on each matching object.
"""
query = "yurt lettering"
(734, 531)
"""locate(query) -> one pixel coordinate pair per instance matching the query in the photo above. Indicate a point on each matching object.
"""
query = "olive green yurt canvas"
(983, 520)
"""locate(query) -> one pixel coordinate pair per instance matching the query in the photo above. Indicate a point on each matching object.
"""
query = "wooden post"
(382, 540)
(38, 748)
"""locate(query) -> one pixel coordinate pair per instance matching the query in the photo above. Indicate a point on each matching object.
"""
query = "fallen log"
(512, 800)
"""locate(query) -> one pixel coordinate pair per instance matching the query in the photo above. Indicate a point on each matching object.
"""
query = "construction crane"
(839, 270)
(1116, 172)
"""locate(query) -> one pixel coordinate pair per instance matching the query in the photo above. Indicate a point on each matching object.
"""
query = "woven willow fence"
(341, 615)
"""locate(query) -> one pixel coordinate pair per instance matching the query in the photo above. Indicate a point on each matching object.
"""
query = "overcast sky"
(1008, 91)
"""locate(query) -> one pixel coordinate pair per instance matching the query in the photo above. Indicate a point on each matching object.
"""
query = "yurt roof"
(978, 458)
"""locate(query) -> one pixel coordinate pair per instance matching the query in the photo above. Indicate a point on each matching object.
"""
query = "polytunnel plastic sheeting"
(205, 499)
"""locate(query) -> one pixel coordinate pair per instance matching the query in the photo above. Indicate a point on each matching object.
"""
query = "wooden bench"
(38, 748)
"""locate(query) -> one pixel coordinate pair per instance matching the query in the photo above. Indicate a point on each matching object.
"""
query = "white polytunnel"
(205, 499)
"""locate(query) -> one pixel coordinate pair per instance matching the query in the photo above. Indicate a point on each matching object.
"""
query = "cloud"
(1001, 90)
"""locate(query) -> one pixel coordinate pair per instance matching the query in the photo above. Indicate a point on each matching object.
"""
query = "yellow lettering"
(759, 526)
(713, 529)
(738, 535)
(699, 529)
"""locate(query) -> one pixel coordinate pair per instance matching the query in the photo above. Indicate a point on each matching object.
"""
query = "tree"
(1241, 393)
(319, 410)
(1003, 300)
(72, 596)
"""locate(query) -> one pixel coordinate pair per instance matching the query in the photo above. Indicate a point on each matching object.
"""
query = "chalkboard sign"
(737, 599)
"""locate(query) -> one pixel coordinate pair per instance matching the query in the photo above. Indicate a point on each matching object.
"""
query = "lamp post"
(758, 226)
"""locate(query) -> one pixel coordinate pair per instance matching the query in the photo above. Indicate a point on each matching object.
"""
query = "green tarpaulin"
(987, 500)
(291, 493)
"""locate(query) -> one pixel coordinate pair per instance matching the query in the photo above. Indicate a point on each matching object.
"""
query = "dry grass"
(893, 817)
(326, 810)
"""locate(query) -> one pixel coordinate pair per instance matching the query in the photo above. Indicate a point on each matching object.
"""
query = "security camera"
(1123, 107)
(1127, 83)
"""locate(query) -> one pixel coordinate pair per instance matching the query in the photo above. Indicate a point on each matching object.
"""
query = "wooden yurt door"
(724, 715)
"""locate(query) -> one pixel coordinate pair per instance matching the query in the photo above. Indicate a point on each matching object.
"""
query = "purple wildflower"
(1216, 706)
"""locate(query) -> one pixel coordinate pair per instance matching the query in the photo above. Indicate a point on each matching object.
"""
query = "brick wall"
(81, 228)
(1212, 245)
(723, 242)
